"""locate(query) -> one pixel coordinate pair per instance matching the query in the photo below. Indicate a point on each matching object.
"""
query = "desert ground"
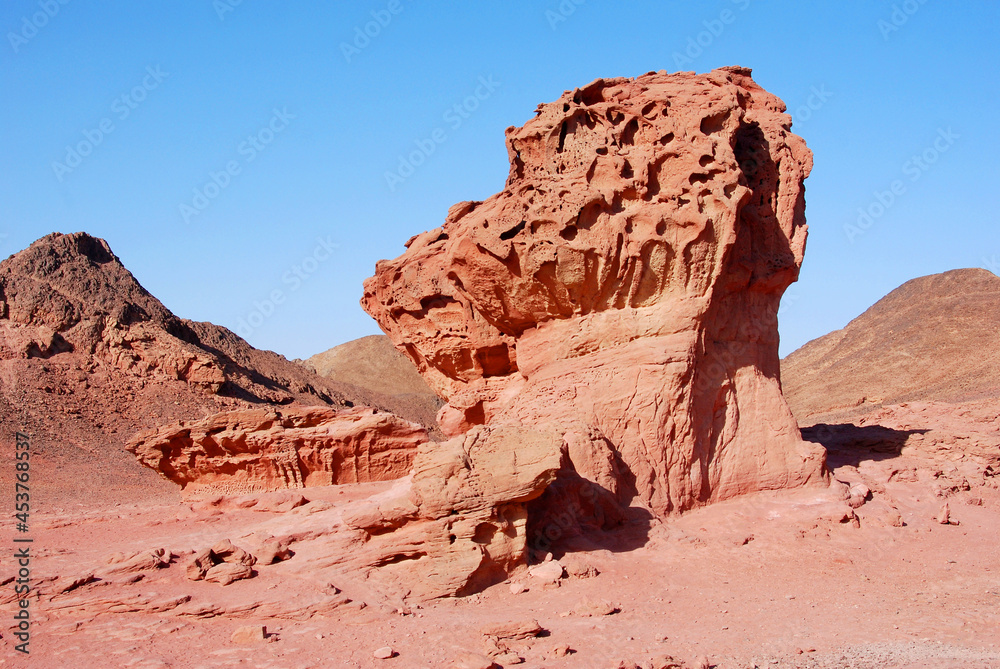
(780, 579)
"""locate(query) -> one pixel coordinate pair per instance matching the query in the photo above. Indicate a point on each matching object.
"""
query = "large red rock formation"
(259, 450)
(623, 288)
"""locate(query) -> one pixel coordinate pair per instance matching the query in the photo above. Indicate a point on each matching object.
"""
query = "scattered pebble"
(562, 650)
(384, 653)
(547, 572)
(589, 608)
(249, 635)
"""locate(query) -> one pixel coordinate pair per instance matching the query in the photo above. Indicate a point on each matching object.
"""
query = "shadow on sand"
(849, 444)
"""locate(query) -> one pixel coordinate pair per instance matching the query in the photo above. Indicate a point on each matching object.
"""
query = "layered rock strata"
(258, 450)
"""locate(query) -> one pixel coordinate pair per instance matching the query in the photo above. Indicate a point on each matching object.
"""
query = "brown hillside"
(935, 338)
(373, 364)
(88, 358)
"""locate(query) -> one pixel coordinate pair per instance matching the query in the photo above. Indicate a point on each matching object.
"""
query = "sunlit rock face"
(622, 289)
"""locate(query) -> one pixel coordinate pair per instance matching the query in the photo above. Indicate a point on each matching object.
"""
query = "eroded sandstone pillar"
(622, 289)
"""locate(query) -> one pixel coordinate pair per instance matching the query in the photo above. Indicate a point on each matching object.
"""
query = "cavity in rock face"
(622, 289)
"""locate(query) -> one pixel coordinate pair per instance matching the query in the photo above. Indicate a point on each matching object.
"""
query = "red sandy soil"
(773, 580)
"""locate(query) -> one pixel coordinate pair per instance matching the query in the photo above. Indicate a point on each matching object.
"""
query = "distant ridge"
(934, 338)
(372, 363)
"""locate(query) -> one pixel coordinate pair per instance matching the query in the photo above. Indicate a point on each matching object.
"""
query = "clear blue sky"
(199, 78)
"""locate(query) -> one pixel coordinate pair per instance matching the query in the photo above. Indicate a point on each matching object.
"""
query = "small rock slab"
(249, 635)
(547, 572)
(384, 653)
